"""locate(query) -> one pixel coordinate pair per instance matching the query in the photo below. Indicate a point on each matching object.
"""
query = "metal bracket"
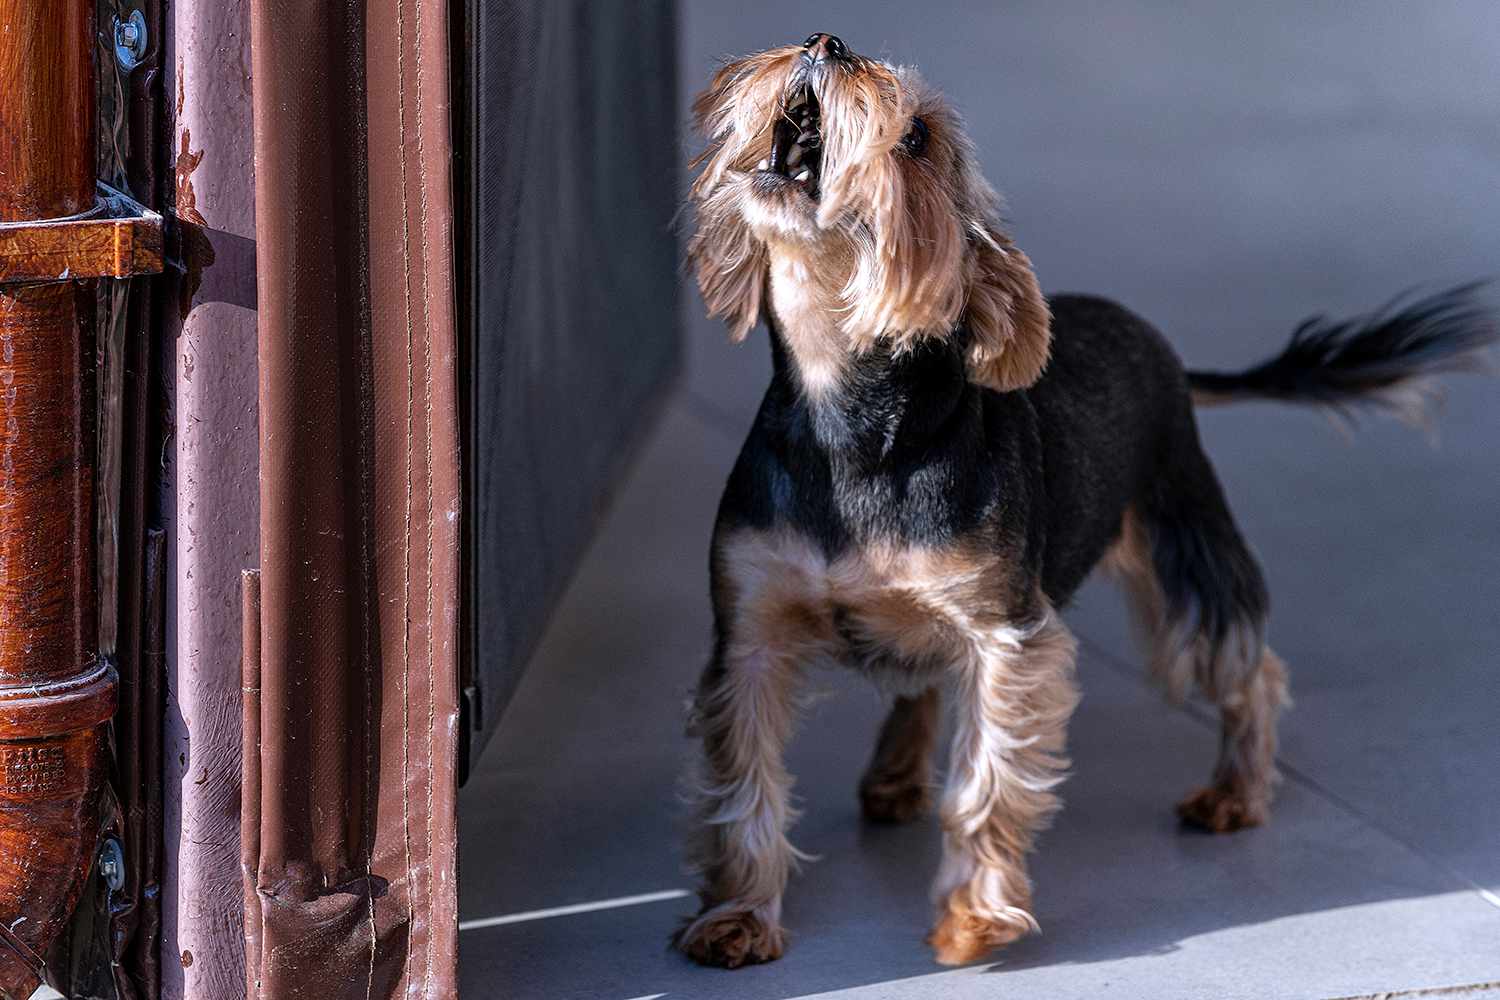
(130, 40)
(117, 238)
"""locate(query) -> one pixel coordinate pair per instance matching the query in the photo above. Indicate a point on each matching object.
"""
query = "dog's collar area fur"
(883, 401)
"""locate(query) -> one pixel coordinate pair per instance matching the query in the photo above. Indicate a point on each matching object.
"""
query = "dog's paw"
(961, 936)
(894, 800)
(1221, 810)
(730, 938)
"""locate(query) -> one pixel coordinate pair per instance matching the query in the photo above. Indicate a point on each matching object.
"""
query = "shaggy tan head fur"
(897, 228)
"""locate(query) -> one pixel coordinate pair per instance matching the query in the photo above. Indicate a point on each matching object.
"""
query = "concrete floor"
(1226, 170)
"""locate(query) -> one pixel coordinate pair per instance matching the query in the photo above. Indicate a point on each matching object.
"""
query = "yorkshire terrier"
(942, 456)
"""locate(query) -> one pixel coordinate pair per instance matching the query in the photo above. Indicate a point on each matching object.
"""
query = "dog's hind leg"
(1201, 602)
(897, 786)
(1015, 693)
(1245, 776)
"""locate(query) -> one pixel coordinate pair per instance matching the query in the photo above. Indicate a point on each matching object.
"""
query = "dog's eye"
(915, 139)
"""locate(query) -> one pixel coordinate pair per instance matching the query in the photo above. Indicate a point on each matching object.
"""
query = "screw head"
(112, 864)
(130, 40)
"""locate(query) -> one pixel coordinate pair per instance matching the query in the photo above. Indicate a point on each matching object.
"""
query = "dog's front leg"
(744, 712)
(1015, 693)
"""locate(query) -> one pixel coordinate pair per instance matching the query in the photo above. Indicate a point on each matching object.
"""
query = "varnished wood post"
(56, 695)
(46, 109)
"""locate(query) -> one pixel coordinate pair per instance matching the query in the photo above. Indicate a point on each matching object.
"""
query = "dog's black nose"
(821, 46)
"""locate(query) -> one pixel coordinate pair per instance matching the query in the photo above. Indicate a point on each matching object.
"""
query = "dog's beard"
(777, 210)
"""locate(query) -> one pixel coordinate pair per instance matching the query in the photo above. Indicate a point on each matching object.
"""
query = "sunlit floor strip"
(1476, 990)
(567, 911)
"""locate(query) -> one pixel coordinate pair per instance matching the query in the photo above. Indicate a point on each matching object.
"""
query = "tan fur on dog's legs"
(745, 709)
(897, 785)
(1015, 694)
(1245, 776)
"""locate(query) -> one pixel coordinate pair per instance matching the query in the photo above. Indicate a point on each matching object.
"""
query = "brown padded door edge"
(353, 880)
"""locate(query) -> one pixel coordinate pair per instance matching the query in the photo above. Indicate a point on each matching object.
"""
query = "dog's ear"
(730, 265)
(728, 262)
(1009, 324)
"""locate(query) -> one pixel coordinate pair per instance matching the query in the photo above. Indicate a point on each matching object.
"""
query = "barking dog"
(941, 458)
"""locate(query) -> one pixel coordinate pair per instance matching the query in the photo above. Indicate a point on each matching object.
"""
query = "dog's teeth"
(806, 173)
(763, 165)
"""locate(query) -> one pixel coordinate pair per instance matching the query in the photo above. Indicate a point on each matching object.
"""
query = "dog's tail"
(1386, 360)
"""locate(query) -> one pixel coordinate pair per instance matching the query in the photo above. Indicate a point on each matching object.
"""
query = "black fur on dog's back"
(1385, 359)
(907, 450)
(1119, 437)
(1118, 432)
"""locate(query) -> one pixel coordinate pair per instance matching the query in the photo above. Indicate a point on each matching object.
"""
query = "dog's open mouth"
(796, 143)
